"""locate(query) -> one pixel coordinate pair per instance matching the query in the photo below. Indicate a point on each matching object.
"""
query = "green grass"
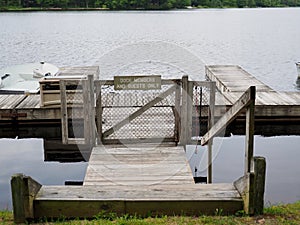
(273, 215)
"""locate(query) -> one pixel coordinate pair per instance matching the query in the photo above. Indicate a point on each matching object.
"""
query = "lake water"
(263, 41)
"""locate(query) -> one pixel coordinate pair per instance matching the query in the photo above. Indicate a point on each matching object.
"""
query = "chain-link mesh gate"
(203, 107)
(138, 115)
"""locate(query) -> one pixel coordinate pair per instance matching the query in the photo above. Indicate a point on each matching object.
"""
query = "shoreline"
(52, 9)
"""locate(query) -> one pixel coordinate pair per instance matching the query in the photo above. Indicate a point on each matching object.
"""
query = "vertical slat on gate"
(91, 113)
(99, 111)
(177, 111)
(189, 111)
(64, 112)
(183, 133)
(86, 118)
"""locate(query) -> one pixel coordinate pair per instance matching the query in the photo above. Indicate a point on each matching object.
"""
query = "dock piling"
(24, 190)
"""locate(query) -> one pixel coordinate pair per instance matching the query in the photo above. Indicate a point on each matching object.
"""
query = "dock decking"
(137, 180)
(232, 81)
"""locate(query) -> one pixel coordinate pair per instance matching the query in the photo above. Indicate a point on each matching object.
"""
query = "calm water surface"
(263, 41)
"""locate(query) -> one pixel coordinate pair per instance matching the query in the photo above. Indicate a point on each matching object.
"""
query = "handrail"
(243, 102)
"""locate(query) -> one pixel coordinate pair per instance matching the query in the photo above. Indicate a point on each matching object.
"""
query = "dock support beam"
(24, 190)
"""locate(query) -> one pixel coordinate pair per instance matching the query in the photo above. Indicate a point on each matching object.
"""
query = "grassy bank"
(273, 215)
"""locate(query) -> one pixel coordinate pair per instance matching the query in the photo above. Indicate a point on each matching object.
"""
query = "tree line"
(144, 4)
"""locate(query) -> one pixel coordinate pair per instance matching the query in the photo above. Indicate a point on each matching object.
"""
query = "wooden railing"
(251, 185)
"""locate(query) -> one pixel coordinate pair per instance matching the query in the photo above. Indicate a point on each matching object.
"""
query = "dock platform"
(137, 180)
(232, 81)
(137, 164)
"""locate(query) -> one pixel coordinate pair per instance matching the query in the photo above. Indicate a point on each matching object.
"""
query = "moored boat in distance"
(25, 78)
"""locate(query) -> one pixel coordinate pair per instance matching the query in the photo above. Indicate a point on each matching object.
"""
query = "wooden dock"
(136, 180)
(143, 180)
(25, 117)
(125, 175)
(232, 81)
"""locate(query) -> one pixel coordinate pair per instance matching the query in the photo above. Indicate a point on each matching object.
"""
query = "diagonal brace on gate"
(140, 111)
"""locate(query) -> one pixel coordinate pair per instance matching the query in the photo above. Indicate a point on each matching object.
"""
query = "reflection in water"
(282, 157)
(27, 156)
(298, 83)
(281, 153)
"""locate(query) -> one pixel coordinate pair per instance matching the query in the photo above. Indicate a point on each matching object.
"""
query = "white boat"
(25, 78)
(298, 68)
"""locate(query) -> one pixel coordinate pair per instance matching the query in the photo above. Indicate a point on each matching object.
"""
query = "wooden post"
(64, 112)
(184, 114)
(211, 121)
(177, 111)
(88, 109)
(99, 111)
(189, 112)
(24, 190)
(250, 131)
(91, 106)
(259, 184)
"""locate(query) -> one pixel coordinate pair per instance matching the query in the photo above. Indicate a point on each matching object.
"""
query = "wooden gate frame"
(176, 83)
(88, 110)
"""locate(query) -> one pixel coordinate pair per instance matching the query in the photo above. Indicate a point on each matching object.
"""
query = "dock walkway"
(137, 180)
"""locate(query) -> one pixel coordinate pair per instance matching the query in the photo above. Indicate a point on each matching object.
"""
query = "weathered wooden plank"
(140, 192)
(31, 102)
(138, 165)
(233, 78)
(189, 199)
(11, 101)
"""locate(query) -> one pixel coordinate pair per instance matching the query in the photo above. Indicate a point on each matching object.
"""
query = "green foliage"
(144, 4)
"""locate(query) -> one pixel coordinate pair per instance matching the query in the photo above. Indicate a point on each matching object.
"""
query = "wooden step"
(88, 201)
